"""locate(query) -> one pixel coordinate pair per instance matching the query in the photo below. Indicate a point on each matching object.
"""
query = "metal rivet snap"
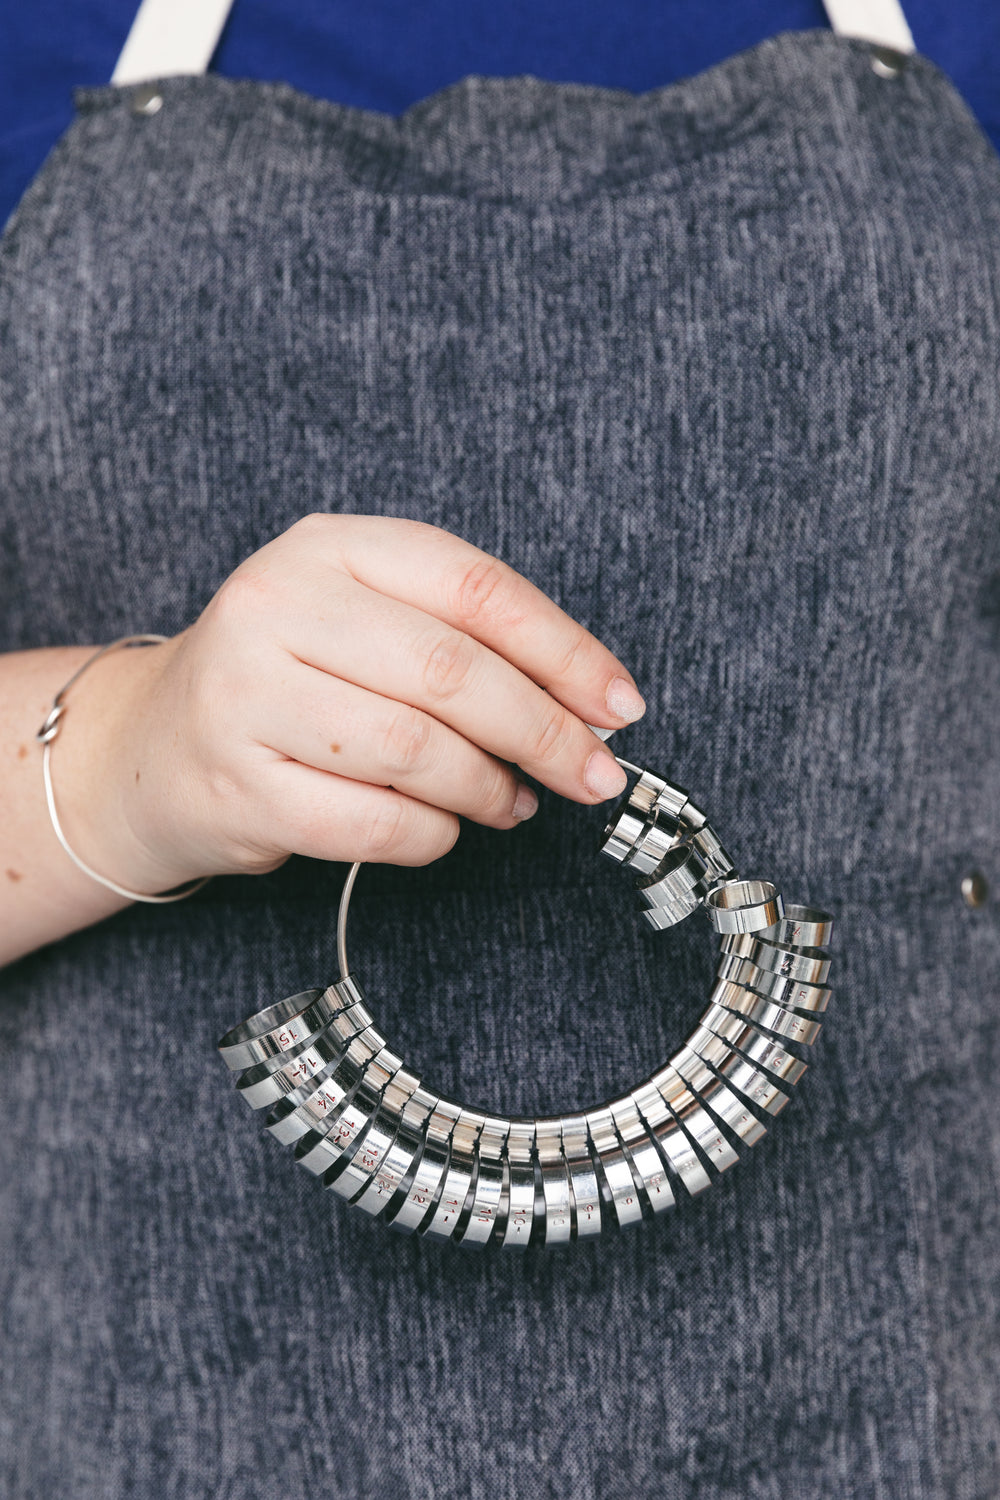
(146, 101)
(974, 888)
(887, 63)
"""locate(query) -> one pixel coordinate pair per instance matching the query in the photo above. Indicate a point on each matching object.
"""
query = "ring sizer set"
(364, 1124)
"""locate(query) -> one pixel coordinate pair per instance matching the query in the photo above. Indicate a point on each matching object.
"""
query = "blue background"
(387, 54)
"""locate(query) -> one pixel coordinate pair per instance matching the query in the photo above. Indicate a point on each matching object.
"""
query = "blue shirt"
(387, 54)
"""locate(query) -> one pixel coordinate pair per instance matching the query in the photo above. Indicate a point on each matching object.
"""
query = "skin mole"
(335, 749)
(22, 752)
(14, 875)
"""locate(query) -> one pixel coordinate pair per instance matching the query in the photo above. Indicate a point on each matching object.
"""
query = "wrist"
(97, 772)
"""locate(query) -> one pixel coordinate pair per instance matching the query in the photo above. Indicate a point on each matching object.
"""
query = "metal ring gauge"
(376, 1135)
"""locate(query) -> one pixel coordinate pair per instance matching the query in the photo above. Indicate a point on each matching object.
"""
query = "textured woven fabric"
(716, 368)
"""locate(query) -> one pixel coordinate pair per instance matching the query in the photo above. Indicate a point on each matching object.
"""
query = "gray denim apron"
(717, 368)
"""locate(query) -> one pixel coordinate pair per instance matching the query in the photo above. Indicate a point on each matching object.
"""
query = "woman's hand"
(352, 688)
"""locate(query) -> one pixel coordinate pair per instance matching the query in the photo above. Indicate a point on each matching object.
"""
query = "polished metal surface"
(458, 1178)
(755, 1086)
(642, 1152)
(315, 1106)
(695, 1118)
(278, 1028)
(364, 1124)
(644, 794)
(402, 1157)
(744, 906)
(611, 1161)
(387, 1086)
(336, 1139)
(519, 1209)
(431, 1168)
(484, 1213)
(792, 992)
(672, 806)
(266, 1082)
(766, 1013)
(555, 1182)
(587, 1216)
(717, 1097)
(621, 834)
(975, 889)
(662, 917)
(766, 1051)
(273, 1030)
(811, 965)
(147, 100)
(802, 926)
(718, 862)
(676, 1146)
(676, 881)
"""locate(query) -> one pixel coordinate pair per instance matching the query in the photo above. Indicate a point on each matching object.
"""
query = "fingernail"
(525, 804)
(624, 701)
(604, 777)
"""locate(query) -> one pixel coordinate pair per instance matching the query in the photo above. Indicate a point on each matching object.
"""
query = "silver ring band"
(359, 1120)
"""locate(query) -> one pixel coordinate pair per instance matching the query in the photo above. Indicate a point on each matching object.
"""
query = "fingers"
(480, 596)
(329, 817)
(335, 726)
(401, 653)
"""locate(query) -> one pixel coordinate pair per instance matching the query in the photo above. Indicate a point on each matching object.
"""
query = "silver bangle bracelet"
(46, 736)
(369, 1129)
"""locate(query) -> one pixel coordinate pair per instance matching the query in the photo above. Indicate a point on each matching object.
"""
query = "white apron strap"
(179, 36)
(878, 21)
(170, 37)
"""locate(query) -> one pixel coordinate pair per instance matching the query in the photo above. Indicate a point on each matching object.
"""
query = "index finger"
(464, 587)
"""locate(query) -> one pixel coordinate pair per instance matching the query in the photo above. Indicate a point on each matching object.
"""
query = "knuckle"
(552, 735)
(242, 595)
(437, 842)
(382, 827)
(486, 591)
(317, 522)
(449, 665)
(496, 798)
(404, 742)
(573, 654)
